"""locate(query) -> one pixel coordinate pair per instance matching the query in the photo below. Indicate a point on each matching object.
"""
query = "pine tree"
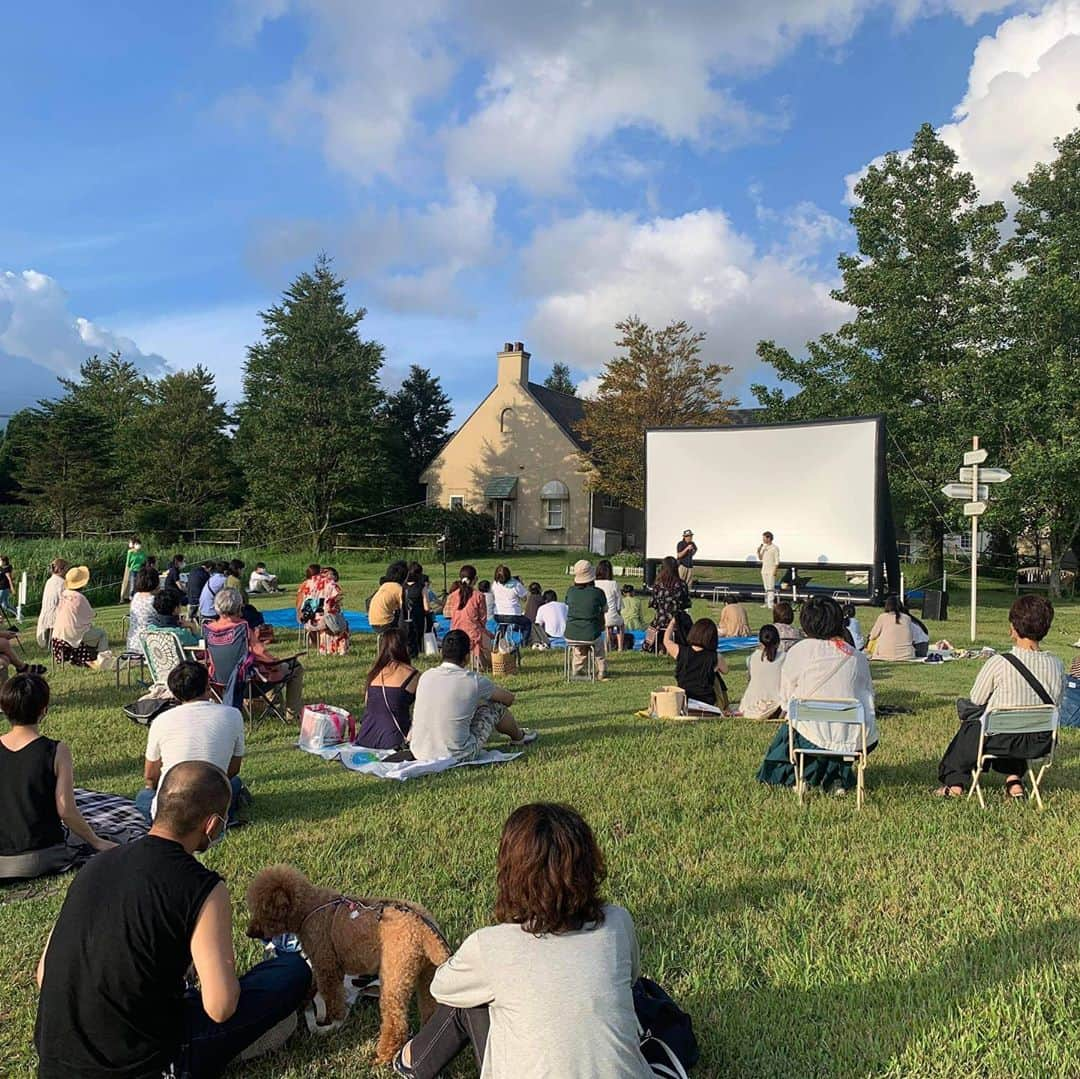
(560, 379)
(418, 417)
(309, 434)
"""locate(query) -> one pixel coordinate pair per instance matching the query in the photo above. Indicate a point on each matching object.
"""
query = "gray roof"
(564, 408)
(499, 487)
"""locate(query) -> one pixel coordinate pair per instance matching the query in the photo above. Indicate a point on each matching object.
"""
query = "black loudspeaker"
(936, 605)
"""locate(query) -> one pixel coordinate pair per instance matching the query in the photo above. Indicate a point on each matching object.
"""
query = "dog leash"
(378, 909)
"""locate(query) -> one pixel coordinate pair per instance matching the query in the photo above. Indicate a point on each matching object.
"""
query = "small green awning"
(500, 487)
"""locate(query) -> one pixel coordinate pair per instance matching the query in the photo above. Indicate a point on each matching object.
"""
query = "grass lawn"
(916, 938)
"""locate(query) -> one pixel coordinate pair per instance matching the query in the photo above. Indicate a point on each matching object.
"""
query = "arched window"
(554, 498)
(506, 419)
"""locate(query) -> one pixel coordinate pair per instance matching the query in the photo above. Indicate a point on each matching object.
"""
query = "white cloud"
(215, 337)
(1022, 93)
(410, 259)
(590, 271)
(37, 326)
(555, 80)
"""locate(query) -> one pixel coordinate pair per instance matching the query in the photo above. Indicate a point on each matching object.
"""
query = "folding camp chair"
(515, 635)
(163, 653)
(1038, 719)
(235, 678)
(589, 648)
(839, 714)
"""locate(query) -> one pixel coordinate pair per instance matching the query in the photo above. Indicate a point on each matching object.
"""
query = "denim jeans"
(145, 799)
(444, 1035)
(268, 993)
(1070, 703)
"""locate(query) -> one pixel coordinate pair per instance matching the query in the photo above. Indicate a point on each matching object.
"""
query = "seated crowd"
(552, 981)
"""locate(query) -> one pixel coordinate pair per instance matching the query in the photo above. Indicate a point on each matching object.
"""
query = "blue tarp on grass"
(285, 618)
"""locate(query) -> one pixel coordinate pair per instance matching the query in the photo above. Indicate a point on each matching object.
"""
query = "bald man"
(112, 976)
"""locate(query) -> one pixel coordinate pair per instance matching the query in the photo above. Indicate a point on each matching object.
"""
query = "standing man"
(769, 556)
(112, 976)
(684, 555)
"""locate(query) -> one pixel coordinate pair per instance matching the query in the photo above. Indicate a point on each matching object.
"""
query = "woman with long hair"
(698, 667)
(141, 615)
(761, 700)
(894, 632)
(416, 607)
(669, 595)
(467, 608)
(389, 694)
(547, 992)
(613, 618)
(509, 596)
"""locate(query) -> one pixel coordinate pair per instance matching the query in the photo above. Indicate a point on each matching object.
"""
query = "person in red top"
(229, 604)
(468, 612)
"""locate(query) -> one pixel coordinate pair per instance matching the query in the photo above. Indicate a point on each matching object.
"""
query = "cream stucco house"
(518, 457)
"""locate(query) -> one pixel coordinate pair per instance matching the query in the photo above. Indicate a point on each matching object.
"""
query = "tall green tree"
(115, 392)
(927, 289)
(418, 419)
(1039, 412)
(560, 379)
(659, 380)
(185, 469)
(309, 434)
(60, 456)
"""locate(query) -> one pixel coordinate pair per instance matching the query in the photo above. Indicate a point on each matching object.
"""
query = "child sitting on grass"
(633, 609)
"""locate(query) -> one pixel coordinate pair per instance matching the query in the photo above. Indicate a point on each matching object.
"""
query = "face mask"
(212, 840)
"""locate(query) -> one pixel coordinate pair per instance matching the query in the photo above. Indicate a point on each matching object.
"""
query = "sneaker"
(272, 1040)
(527, 737)
(839, 792)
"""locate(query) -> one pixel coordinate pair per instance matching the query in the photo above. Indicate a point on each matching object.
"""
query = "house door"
(505, 525)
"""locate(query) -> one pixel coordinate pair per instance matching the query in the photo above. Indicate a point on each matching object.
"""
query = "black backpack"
(667, 1032)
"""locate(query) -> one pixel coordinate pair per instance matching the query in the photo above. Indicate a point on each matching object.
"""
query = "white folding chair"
(590, 661)
(839, 714)
(1037, 719)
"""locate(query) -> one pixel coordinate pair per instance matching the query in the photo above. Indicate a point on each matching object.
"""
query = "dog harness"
(355, 906)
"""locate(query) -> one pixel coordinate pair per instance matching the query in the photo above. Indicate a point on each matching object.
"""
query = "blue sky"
(480, 172)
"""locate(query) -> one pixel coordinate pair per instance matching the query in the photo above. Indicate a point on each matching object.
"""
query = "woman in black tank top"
(37, 797)
(697, 665)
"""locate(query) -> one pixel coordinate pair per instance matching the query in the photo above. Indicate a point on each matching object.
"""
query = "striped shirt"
(1000, 685)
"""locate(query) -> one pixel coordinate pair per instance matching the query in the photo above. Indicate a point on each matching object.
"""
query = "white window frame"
(552, 507)
(457, 502)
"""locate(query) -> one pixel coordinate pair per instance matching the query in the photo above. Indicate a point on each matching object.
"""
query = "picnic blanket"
(285, 618)
(111, 817)
(372, 762)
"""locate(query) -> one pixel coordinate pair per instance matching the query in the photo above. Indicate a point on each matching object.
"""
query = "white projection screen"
(815, 486)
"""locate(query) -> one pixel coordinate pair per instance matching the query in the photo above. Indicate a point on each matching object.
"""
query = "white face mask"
(212, 840)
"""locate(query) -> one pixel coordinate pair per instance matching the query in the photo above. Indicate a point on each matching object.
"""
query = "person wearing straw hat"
(585, 609)
(74, 621)
(685, 550)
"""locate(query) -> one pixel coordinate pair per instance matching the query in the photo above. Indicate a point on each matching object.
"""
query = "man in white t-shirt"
(550, 619)
(456, 711)
(197, 729)
(261, 580)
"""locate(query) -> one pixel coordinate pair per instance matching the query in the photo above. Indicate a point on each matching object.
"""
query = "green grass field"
(914, 938)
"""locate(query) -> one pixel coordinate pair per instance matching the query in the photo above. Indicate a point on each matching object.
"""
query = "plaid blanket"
(111, 817)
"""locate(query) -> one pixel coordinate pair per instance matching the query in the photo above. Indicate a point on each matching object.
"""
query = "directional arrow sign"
(974, 457)
(963, 491)
(986, 475)
(974, 509)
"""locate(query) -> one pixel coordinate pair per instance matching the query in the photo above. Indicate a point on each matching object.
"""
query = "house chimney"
(513, 364)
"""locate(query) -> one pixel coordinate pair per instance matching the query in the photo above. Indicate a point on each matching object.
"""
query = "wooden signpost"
(974, 490)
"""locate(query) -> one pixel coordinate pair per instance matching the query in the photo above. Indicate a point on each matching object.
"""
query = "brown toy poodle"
(344, 935)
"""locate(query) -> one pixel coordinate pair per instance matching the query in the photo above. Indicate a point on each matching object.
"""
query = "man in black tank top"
(112, 976)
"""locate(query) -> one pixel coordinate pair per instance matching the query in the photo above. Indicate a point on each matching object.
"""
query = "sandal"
(1011, 793)
(949, 792)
